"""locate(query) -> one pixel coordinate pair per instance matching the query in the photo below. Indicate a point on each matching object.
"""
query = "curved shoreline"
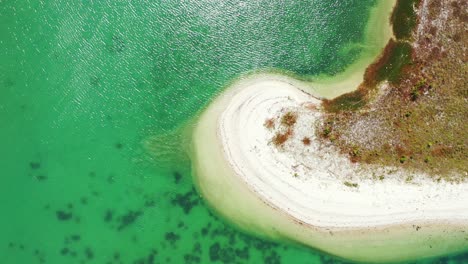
(377, 34)
(294, 193)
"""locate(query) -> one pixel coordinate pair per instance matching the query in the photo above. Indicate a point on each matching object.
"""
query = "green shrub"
(351, 185)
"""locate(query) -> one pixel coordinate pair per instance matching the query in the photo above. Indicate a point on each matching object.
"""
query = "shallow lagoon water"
(87, 86)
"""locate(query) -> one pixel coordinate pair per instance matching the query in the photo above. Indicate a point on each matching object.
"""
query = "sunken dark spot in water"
(75, 237)
(326, 259)
(177, 177)
(191, 259)
(34, 165)
(41, 178)
(171, 237)
(117, 44)
(129, 218)
(84, 200)
(63, 215)
(150, 202)
(218, 253)
(108, 216)
(187, 200)
(180, 225)
(64, 251)
(89, 254)
(151, 256)
(150, 259)
(273, 258)
(205, 230)
(242, 253)
(94, 81)
(197, 248)
(118, 145)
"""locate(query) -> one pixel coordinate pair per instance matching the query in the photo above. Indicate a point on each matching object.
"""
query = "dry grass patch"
(289, 119)
(280, 138)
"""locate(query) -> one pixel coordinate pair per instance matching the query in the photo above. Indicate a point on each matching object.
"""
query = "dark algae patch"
(34, 165)
(117, 44)
(150, 259)
(404, 18)
(63, 215)
(89, 254)
(64, 251)
(129, 218)
(186, 201)
(177, 177)
(191, 259)
(108, 216)
(171, 237)
(75, 238)
(398, 57)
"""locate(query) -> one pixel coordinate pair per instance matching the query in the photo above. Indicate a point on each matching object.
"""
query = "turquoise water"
(91, 93)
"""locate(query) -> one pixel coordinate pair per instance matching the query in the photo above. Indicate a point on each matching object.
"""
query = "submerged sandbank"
(299, 192)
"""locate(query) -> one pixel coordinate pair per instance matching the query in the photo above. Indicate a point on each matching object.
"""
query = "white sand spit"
(304, 192)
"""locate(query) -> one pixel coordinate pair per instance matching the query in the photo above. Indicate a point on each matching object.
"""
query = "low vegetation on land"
(285, 128)
(411, 109)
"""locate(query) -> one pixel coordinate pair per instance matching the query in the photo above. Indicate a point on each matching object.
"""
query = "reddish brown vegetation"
(280, 138)
(270, 123)
(289, 119)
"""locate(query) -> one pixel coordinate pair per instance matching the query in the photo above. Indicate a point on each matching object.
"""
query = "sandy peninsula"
(306, 191)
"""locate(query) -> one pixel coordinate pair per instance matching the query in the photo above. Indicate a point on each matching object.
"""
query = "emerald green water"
(88, 87)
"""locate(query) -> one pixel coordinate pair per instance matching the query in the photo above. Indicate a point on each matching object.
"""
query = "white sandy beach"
(307, 181)
(298, 192)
